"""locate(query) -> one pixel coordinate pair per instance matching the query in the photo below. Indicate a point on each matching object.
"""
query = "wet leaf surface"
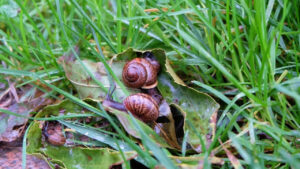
(167, 128)
(83, 82)
(86, 158)
(195, 161)
(97, 135)
(197, 109)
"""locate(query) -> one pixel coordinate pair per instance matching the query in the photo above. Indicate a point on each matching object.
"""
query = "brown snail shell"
(54, 134)
(142, 106)
(140, 73)
(56, 139)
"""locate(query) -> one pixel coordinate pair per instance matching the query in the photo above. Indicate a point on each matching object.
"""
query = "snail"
(53, 134)
(141, 72)
(143, 106)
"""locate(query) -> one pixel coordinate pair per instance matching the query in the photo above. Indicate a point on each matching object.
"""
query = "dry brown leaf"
(234, 161)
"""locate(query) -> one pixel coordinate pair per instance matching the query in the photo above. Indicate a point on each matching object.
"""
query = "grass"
(244, 53)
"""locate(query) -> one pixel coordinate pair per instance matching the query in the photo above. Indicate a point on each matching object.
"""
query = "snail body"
(142, 106)
(141, 73)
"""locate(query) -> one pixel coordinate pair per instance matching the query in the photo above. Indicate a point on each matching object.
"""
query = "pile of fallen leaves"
(22, 101)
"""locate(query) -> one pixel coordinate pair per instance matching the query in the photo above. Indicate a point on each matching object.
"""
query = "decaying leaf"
(70, 157)
(86, 158)
(12, 127)
(234, 161)
(197, 108)
(167, 128)
(86, 86)
(193, 161)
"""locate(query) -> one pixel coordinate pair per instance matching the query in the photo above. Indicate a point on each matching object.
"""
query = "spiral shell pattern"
(139, 73)
(142, 106)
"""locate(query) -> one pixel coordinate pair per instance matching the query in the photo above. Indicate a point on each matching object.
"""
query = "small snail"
(141, 72)
(54, 134)
(143, 106)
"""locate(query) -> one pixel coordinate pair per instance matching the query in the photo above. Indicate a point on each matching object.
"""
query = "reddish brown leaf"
(234, 161)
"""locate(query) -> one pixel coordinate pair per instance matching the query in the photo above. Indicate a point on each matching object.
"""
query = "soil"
(11, 158)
